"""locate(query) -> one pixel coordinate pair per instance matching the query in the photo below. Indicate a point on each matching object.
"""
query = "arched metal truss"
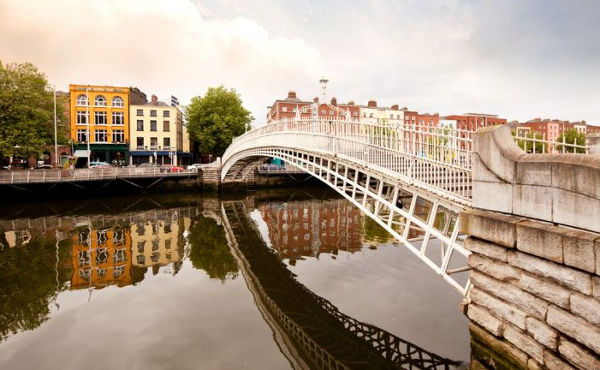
(411, 180)
(423, 222)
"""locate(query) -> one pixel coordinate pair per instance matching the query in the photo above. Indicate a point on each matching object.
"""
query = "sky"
(519, 59)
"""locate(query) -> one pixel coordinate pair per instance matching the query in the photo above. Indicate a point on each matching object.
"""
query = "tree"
(26, 110)
(216, 118)
(572, 137)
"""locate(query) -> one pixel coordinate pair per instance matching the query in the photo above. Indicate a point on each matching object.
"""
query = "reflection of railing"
(85, 174)
(326, 337)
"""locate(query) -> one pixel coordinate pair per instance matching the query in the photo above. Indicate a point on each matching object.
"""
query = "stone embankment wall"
(535, 299)
(535, 243)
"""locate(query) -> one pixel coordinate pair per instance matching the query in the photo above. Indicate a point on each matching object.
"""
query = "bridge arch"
(394, 188)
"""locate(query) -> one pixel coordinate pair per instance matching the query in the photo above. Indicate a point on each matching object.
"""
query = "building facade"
(100, 115)
(475, 121)
(157, 134)
(292, 107)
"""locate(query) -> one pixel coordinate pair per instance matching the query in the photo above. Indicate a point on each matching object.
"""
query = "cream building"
(157, 242)
(373, 114)
(157, 134)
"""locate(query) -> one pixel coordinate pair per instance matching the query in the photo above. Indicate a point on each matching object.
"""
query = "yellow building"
(157, 134)
(102, 112)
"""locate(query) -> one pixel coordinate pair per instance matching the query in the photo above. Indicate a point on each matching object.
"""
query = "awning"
(80, 153)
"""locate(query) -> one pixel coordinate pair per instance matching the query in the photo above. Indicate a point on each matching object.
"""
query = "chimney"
(154, 99)
(316, 99)
(291, 94)
(334, 102)
(372, 104)
(395, 107)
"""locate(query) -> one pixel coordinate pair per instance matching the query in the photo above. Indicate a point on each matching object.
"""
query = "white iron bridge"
(413, 180)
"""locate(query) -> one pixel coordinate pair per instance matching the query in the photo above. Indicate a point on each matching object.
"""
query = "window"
(167, 143)
(391, 116)
(82, 136)
(331, 113)
(140, 143)
(293, 109)
(166, 113)
(153, 113)
(166, 126)
(100, 101)
(140, 112)
(153, 143)
(117, 101)
(82, 100)
(82, 118)
(140, 125)
(284, 109)
(323, 112)
(370, 115)
(355, 114)
(100, 136)
(153, 125)
(100, 118)
(118, 136)
(118, 118)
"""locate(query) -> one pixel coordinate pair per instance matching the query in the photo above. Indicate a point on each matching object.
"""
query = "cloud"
(164, 47)
(514, 58)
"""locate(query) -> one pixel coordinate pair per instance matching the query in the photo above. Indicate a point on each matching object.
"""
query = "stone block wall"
(535, 295)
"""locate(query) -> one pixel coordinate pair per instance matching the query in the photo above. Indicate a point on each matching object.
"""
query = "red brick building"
(291, 106)
(551, 129)
(474, 121)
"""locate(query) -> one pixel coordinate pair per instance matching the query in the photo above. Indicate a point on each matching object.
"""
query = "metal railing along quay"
(85, 174)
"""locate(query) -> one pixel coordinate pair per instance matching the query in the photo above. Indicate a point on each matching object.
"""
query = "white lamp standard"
(55, 131)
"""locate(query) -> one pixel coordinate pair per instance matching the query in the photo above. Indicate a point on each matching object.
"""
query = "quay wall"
(534, 235)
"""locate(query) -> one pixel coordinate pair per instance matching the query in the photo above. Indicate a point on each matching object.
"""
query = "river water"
(264, 280)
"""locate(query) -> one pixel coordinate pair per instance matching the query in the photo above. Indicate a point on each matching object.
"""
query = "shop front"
(114, 154)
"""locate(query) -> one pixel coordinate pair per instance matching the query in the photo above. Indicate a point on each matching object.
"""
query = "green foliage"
(26, 110)
(209, 250)
(571, 136)
(28, 283)
(216, 118)
(529, 145)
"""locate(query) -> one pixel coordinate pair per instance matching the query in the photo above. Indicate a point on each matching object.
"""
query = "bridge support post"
(535, 295)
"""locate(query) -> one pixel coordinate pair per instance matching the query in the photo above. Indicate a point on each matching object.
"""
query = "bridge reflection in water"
(92, 252)
(312, 332)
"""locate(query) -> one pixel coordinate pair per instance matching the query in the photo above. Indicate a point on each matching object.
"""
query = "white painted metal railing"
(535, 144)
(437, 159)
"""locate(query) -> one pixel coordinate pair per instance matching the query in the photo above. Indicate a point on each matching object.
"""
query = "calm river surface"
(268, 280)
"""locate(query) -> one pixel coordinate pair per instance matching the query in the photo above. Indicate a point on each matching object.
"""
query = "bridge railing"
(435, 158)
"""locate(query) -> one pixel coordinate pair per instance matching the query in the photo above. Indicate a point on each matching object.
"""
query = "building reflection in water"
(309, 228)
(41, 257)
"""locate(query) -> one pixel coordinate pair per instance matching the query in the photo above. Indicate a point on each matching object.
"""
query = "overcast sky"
(516, 58)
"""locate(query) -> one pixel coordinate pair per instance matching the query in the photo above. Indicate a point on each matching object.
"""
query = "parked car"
(99, 165)
(194, 167)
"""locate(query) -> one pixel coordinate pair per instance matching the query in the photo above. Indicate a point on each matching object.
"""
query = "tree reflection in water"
(209, 250)
(28, 282)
